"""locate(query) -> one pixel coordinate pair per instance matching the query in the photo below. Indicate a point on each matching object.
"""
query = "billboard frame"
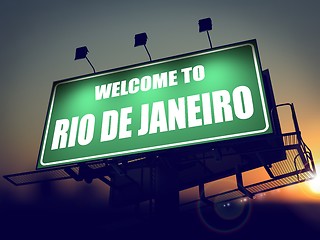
(143, 151)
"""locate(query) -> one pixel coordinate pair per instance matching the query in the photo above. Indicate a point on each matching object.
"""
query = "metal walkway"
(296, 168)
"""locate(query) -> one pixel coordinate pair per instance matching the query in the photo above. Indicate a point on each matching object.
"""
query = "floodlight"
(81, 53)
(140, 39)
(205, 25)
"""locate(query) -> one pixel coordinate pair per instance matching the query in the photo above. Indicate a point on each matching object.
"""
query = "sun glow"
(314, 184)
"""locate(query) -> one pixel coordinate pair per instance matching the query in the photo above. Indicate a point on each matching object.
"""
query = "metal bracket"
(117, 169)
(266, 166)
(86, 173)
(72, 174)
(241, 187)
(106, 181)
(202, 194)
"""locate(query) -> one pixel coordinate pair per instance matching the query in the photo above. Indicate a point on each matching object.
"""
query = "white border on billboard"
(164, 146)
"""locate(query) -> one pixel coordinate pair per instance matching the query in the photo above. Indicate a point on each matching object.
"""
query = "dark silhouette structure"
(140, 39)
(157, 177)
(81, 53)
(205, 25)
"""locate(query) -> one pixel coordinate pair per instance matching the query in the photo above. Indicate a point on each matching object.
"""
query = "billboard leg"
(166, 189)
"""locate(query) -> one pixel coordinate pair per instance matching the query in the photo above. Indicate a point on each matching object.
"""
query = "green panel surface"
(202, 97)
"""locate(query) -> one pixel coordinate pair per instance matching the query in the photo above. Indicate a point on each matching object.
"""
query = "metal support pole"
(94, 71)
(166, 190)
(241, 187)
(145, 47)
(209, 39)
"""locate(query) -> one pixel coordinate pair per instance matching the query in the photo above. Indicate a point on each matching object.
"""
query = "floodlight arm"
(91, 64)
(209, 39)
(145, 47)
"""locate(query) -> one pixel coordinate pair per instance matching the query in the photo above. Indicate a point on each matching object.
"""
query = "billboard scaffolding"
(154, 129)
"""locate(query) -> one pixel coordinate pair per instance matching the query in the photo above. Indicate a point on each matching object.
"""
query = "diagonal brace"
(241, 187)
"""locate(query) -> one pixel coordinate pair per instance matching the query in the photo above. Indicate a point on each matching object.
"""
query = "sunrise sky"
(38, 40)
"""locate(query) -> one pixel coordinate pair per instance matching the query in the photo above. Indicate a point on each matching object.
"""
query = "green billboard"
(206, 96)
